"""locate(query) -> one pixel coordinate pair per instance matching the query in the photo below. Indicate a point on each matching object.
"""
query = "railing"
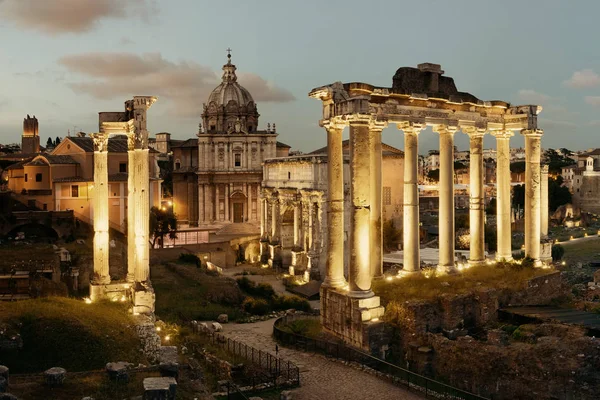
(399, 376)
(276, 367)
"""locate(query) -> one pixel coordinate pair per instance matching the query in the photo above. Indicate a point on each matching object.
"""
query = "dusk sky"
(66, 60)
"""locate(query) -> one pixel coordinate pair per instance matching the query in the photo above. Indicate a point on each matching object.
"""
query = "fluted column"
(375, 229)
(335, 215)
(208, 202)
(360, 193)
(131, 204)
(275, 218)
(263, 227)
(446, 198)
(476, 196)
(101, 224)
(248, 215)
(503, 197)
(544, 202)
(410, 206)
(296, 224)
(227, 194)
(532, 193)
(201, 216)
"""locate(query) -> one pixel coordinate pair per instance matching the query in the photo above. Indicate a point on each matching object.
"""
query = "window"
(38, 177)
(75, 191)
(289, 175)
(25, 177)
(123, 167)
(213, 127)
(238, 160)
(387, 195)
(177, 164)
(45, 207)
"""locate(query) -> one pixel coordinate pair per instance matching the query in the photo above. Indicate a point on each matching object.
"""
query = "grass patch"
(68, 333)
(583, 251)
(309, 327)
(423, 288)
(185, 293)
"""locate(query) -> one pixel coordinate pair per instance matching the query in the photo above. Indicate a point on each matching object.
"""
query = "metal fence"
(399, 376)
(275, 367)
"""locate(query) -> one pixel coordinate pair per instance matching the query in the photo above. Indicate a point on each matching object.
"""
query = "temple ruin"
(132, 123)
(418, 98)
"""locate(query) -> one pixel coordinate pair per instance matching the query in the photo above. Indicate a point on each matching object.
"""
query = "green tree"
(391, 236)
(556, 161)
(57, 141)
(557, 194)
(162, 222)
(518, 198)
(49, 143)
(517, 167)
(434, 175)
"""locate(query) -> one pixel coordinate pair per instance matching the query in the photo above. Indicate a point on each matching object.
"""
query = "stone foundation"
(355, 321)
(274, 255)
(141, 296)
(143, 299)
(117, 291)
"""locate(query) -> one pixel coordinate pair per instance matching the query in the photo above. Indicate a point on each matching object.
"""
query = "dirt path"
(320, 377)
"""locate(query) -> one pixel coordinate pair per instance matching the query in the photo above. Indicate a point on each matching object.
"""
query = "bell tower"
(30, 141)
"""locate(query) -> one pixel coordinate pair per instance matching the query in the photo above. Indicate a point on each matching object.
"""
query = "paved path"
(320, 378)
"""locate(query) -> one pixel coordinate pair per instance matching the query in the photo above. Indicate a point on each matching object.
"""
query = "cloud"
(184, 85)
(595, 122)
(593, 100)
(71, 16)
(585, 78)
(533, 97)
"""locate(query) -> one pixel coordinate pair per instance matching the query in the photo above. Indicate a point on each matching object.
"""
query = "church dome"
(230, 107)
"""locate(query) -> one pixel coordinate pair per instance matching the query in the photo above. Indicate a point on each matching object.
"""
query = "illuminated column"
(208, 202)
(142, 207)
(412, 263)
(263, 227)
(446, 199)
(227, 193)
(360, 193)
(217, 203)
(335, 216)
(101, 238)
(131, 204)
(275, 204)
(296, 225)
(375, 230)
(532, 192)
(476, 196)
(503, 198)
(249, 207)
(201, 216)
(311, 211)
(544, 202)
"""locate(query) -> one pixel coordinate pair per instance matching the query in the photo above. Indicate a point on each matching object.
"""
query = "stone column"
(208, 202)
(275, 228)
(335, 216)
(249, 207)
(101, 217)
(544, 202)
(360, 193)
(131, 204)
(200, 204)
(411, 234)
(375, 229)
(311, 212)
(296, 224)
(446, 199)
(263, 228)
(532, 193)
(217, 203)
(142, 217)
(227, 194)
(503, 197)
(476, 196)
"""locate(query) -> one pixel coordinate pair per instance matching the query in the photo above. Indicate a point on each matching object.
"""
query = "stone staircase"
(240, 229)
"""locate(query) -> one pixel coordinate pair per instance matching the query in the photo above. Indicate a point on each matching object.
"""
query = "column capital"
(473, 131)
(545, 169)
(450, 128)
(503, 134)
(100, 141)
(536, 133)
(411, 127)
(366, 119)
(333, 124)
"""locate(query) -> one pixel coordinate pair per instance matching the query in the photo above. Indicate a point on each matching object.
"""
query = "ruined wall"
(589, 194)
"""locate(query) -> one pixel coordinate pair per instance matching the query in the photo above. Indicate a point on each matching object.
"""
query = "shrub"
(188, 258)
(262, 290)
(256, 306)
(528, 262)
(281, 303)
(557, 252)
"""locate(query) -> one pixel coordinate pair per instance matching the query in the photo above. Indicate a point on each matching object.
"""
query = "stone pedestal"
(55, 376)
(163, 388)
(143, 299)
(351, 319)
(116, 291)
(274, 255)
(546, 250)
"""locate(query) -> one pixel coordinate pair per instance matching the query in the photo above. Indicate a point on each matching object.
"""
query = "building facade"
(217, 176)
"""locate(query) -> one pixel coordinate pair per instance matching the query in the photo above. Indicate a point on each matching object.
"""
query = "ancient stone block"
(216, 327)
(160, 388)
(143, 300)
(223, 318)
(168, 361)
(55, 376)
(118, 371)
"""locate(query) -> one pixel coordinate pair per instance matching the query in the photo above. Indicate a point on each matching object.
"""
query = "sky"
(66, 60)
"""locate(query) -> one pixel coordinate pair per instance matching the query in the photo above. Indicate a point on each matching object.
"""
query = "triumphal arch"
(418, 98)
(131, 122)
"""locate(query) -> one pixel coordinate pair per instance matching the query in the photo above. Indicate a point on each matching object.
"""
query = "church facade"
(217, 176)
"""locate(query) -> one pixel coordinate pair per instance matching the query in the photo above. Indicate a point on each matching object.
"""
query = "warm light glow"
(389, 279)
(170, 203)
(563, 263)
(571, 238)
(123, 298)
(158, 329)
(114, 299)
(127, 286)
(87, 300)
(167, 338)
(164, 208)
(375, 319)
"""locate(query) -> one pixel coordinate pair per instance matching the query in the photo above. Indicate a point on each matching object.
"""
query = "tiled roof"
(60, 159)
(18, 165)
(117, 144)
(184, 143)
(72, 179)
(283, 145)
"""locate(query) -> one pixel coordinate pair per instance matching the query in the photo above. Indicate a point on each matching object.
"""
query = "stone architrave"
(476, 196)
(532, 193)
(375, 230)
(360, 193)
(335, 216)
(446, 198)
(503, 198)
(544, 201)
(101, 217)
(411, 246)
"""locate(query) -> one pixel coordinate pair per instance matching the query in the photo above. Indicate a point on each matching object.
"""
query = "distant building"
(586, 185)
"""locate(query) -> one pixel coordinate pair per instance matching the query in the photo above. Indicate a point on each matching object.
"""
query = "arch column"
(375, 230)
(446, 198)
(476, 196)
(533, 178)
(101, 218)
(335, 201)
(360, 193)
(503, 197)
(410, 207)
